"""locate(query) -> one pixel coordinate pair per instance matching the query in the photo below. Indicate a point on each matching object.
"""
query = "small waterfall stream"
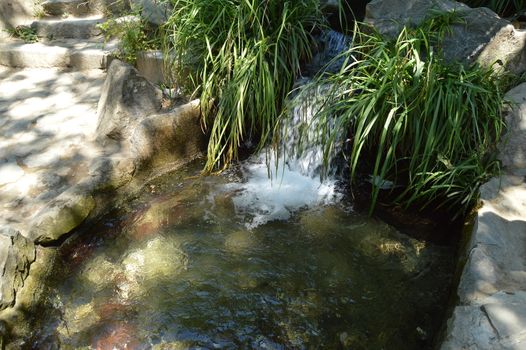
(245, 261)
(276, 183)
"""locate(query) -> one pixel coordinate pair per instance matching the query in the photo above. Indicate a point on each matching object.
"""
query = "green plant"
(26, 33)
(501, 7)
(429, 127)
(241, 58)
(135, 36)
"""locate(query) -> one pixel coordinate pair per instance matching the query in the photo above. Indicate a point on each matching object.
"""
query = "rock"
(470, 329)
(513, 149)
(109, 173)
(16, 255)
(76, 8)
(62, 215)
(507, 313)
(154, 11)
(77, 319)
(170, 137)
(70, 28)
(483, 37)
(14, 13)
(150, 65)
(126, 99)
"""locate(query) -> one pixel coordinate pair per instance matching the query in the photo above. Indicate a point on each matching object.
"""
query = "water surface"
(179, 267)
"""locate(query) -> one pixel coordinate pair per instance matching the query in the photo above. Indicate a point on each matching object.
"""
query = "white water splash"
(275, 192)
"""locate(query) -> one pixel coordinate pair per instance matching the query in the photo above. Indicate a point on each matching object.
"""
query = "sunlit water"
(177, 268)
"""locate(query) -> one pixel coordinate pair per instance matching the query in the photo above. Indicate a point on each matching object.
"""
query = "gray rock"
(70, 28)
(483, 37)
(16, 255)
(64, 54)
(76, 8)
(470, 329)
(170, 137)
(15, 12)
(150, 65)
(110, 173)
(126, 99)
(154, 11)
(62, 215)
(513, 149)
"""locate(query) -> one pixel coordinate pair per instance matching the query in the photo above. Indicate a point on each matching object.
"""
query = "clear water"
(177, 268)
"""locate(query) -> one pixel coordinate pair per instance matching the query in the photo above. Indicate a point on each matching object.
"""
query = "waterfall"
(332, 43)
(277, 184)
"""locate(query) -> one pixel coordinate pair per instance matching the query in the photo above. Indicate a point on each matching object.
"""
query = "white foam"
(296, 184)
(262, 199)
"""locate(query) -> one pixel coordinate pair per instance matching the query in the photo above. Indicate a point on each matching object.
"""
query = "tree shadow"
(47, 120)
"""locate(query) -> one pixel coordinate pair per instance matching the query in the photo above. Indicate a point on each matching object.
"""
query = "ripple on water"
(326, 278)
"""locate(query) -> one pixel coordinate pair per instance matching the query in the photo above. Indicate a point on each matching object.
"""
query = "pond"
(181, 266)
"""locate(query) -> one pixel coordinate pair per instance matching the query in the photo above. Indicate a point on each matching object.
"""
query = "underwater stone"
(16, 255)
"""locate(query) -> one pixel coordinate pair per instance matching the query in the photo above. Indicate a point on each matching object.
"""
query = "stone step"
(76, 8)
(69, 28)
(61, 54)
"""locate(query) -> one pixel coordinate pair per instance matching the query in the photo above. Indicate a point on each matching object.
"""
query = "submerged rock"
(479, 36)
(16, 255)
(157, 259)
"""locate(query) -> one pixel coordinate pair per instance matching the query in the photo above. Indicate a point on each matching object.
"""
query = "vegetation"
(502, 7)
(242, 57)
(135, 36)
(429, 127)
(26, 33)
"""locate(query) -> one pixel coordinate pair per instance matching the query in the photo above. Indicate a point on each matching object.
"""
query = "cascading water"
(260, 263)
(279, 182)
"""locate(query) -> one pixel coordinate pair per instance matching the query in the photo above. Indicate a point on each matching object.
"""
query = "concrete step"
(69, 28)
(60, 54)
(60, 8)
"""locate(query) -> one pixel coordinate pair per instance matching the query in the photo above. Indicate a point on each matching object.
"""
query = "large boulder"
(513, 149)
(16, 255)
(175, 136)
(154, 11)
(126, 99)
(482, 36)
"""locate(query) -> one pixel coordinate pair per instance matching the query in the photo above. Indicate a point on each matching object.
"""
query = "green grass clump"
(26, 33)
(429, 127)
(240, 57)
(134, 33)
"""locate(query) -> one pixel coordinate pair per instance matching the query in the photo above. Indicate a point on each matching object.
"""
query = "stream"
(184, 266)
(255, 258)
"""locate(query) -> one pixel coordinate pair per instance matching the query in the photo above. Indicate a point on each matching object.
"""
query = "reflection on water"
(177, 268)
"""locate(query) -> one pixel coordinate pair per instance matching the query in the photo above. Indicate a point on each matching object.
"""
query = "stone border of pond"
(490, 310)
(141, 135)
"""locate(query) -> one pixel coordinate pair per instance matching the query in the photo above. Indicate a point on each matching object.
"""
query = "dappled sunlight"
(47, 121)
